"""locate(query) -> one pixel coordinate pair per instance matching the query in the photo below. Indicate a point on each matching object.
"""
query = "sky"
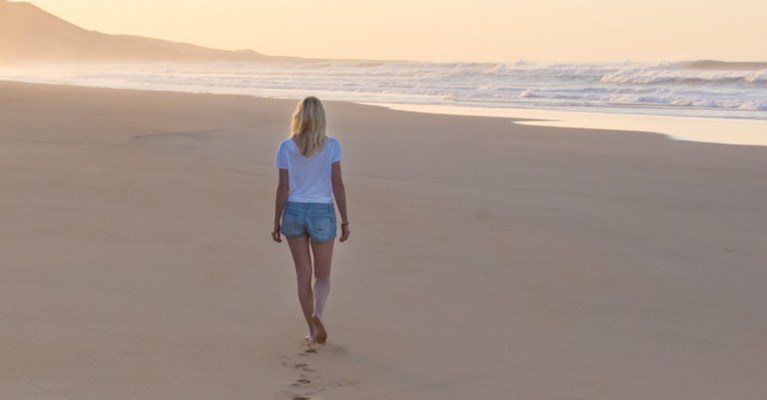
(443, 30)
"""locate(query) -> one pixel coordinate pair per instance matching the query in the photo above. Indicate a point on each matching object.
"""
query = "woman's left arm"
(339, 193)
(281, 197)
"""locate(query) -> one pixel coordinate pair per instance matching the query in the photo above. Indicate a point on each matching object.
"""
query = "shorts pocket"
(322, 228)
(291, 226)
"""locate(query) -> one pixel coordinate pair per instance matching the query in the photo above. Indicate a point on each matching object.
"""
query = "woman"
(309, 165)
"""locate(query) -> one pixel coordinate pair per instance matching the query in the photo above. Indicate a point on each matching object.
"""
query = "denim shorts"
(318, 220)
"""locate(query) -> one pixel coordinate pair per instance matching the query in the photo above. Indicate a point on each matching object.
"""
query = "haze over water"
(702, 89)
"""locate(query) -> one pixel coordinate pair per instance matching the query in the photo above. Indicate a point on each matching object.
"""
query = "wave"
(673, 76)
(727, 65)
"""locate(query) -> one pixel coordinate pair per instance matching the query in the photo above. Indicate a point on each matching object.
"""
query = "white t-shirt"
(309, 177)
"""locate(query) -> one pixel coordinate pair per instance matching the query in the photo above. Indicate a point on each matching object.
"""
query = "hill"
(29, 34)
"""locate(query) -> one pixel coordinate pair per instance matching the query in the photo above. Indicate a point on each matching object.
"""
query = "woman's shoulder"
(334, 141)
(287, 143)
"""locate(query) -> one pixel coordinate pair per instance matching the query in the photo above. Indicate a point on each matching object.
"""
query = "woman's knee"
(322, 275)
(304, 277)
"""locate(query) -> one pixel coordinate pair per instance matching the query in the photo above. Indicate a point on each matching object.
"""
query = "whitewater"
(690, 89)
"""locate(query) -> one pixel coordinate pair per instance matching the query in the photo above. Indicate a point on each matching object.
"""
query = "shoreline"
(745, 132)
(742, 132)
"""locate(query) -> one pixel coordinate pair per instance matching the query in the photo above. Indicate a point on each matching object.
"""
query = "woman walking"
(309, 164)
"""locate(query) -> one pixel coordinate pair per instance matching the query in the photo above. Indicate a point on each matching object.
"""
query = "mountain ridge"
(29, 34)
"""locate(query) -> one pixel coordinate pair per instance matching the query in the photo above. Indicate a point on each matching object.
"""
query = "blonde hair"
(308, 126)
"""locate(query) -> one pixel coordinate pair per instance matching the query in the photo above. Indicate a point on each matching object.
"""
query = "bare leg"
(299, 248)
(323, 256)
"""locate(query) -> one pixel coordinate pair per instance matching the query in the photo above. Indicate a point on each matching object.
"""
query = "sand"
(488, 260)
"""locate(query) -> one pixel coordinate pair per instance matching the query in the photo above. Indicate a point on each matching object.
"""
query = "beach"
(487, 259)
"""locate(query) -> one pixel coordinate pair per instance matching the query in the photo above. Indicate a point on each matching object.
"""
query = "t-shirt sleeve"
(281, 159)
(336, 153)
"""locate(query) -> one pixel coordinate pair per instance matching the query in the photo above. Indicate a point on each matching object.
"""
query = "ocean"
(690, 89)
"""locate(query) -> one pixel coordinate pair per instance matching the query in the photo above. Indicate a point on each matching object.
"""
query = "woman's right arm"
(283, 188)
(339, 192)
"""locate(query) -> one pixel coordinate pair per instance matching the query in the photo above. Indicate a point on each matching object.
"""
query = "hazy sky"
(444, 30)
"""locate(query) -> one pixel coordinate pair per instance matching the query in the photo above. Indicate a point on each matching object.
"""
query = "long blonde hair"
(308, 126)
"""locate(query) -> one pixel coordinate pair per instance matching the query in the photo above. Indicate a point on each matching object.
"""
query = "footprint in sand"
(303, 367)
(308, 384)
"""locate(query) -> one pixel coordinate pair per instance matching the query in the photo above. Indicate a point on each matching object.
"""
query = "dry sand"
(488, 260)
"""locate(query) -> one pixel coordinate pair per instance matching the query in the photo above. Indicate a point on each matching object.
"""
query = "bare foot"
(322, 334)
(311, 338)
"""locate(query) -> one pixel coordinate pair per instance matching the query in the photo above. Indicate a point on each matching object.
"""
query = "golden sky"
(444, 30)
